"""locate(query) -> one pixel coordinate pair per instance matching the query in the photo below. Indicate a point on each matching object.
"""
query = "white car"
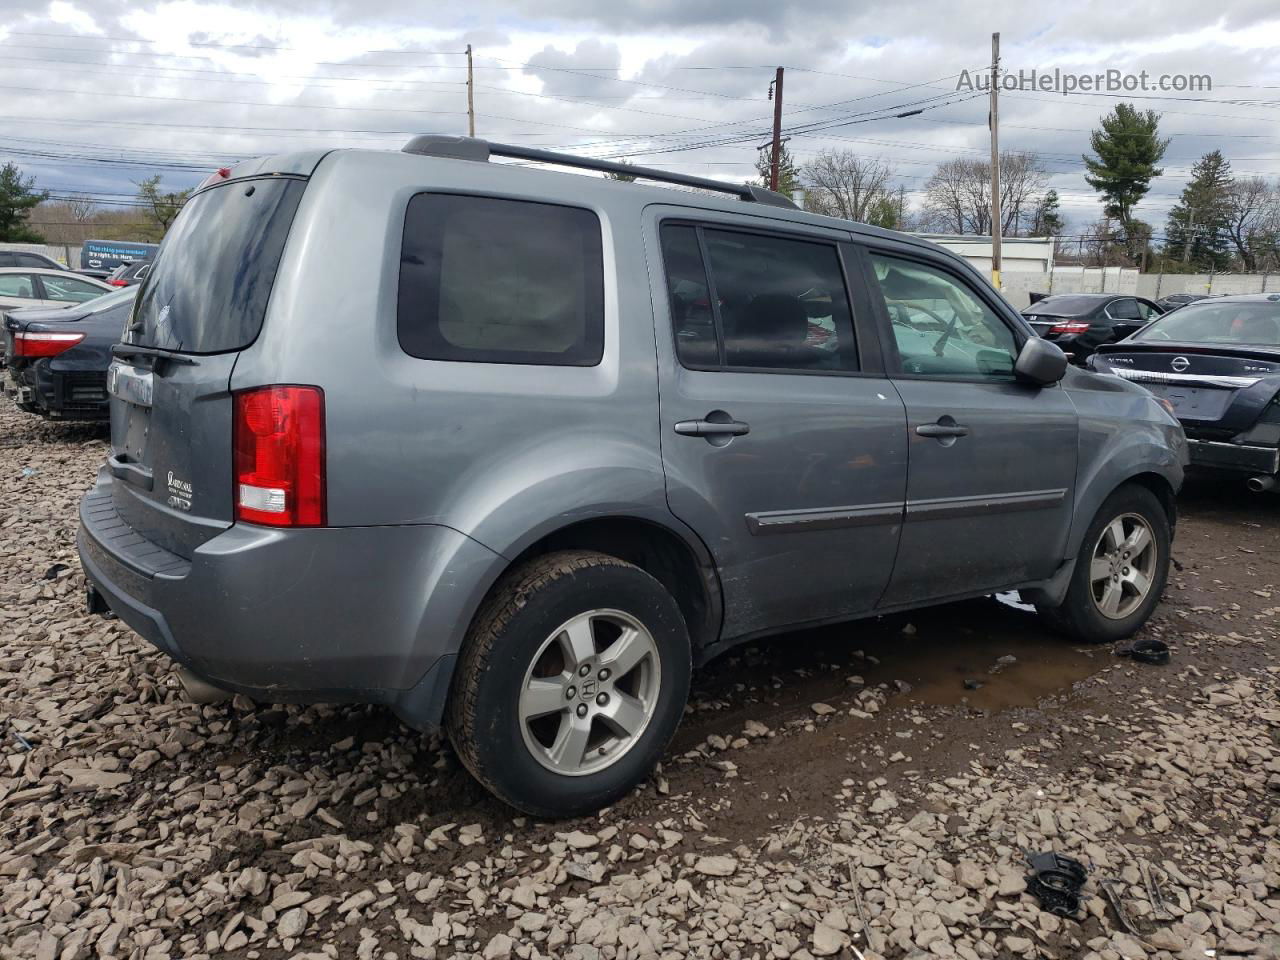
(37, 287)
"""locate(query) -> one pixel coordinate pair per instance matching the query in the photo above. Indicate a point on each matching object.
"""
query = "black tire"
(522, 611)
(1079, 615)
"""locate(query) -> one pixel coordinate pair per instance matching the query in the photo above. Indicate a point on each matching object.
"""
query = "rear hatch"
(202, 303)
(1219, 388)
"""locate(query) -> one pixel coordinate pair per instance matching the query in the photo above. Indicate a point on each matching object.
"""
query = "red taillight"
(44, 344)
(118, 283)
(278, 439)
(1070, 326)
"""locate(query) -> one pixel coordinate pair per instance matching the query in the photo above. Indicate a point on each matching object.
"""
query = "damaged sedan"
(1217, 363)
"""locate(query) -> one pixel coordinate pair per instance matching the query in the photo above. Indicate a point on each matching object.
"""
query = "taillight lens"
(44, 344)
(1071, 326)
(278, 438)
(118, 283)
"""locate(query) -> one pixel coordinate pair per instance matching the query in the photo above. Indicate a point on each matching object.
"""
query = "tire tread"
(503, 603)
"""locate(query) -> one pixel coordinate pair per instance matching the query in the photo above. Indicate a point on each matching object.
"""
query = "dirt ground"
(856, 791)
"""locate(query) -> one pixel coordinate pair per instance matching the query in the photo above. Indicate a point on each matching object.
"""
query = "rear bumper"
(59, 394)
(334, 614)
(1253, 460)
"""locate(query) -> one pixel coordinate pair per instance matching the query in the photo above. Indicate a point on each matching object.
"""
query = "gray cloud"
(705, 80)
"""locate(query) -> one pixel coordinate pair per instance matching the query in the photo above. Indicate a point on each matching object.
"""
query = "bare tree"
(81, 207)
(66, 221)
(1253, 209)
(958, 195)
(839, 183)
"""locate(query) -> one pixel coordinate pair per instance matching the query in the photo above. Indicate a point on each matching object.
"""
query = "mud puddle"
(986, 654)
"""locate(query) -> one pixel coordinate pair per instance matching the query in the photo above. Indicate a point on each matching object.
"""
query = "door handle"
(942, 431)
(711, 428)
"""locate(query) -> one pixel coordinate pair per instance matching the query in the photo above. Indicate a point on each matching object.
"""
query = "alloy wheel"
(590, 692)
(1123, 566)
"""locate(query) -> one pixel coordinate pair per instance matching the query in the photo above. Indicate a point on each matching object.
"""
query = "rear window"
(501, 281)
(209, 283)
(1063, 306)
(1241, 322)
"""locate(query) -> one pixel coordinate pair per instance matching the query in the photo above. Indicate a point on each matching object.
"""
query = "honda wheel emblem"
(1180, 363)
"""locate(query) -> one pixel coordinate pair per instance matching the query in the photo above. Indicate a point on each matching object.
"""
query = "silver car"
(577, 436)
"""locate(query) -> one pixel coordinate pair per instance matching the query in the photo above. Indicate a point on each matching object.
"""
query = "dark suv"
(576, 436)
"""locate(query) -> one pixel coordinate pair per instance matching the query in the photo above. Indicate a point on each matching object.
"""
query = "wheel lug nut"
(602, 699)
(604, 674)
(571, 693)
(584, 670)
(582, 709)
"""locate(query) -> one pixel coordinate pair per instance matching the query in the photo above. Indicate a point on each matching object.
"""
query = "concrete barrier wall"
(1018, 286)
(1154, 285)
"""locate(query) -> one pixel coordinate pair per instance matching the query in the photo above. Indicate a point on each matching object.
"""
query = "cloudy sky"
(94, 97)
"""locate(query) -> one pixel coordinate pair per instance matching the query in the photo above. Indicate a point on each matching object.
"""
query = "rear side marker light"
(279, 462)
(44, 344)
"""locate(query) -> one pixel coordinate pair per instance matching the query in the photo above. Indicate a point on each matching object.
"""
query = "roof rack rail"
(473, 148)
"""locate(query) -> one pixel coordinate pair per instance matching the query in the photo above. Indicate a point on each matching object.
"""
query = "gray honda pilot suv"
(511, 450)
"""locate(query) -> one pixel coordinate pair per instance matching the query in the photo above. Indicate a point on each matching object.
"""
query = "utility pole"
(471, 99)
(776, 155)
(1189, 235)
(996, 217)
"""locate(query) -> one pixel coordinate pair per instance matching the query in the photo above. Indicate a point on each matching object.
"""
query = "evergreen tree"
(788, 172)
(1127, 150)
(1046, 221)
(17, 198)
(1199, 226)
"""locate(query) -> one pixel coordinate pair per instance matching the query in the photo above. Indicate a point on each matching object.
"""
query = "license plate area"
(1199, 403)
(134, 387)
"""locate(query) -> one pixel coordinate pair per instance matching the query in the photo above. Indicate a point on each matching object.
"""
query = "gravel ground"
(862, 791)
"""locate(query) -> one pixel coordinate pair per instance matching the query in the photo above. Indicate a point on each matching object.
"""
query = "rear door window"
(69, 289)
(209, 284)
(1126, 309)
(501, 281)
(766, 302)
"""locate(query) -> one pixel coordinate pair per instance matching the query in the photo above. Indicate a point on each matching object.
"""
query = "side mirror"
(1040, 362)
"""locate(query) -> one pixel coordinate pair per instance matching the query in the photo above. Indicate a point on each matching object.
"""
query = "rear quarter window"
(501, 281)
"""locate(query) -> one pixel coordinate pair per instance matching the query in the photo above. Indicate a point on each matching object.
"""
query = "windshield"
(1256, 323)
(209, 283)
(1064, 306)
